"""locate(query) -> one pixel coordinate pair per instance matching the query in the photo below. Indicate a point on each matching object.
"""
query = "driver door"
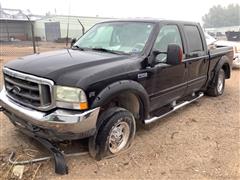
(168, 82)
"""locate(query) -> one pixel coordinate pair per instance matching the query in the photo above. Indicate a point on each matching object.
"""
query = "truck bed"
(216, 54)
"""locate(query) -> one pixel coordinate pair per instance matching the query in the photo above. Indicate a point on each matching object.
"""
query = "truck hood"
(74, 67)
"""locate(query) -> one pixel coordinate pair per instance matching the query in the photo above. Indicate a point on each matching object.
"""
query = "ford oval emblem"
(15, 89)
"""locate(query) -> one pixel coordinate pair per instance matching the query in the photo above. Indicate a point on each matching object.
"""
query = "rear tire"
(115, 133)
(218, 87)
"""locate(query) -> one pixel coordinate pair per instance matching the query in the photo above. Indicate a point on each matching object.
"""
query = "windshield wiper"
(108, 50)
(78, 47)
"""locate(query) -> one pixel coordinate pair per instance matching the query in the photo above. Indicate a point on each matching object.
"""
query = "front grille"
(29, 90)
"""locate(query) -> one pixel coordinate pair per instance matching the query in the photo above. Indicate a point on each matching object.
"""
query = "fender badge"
(142, 75)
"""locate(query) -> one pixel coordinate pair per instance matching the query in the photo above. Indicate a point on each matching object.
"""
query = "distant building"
(15, 26)
(54, 27)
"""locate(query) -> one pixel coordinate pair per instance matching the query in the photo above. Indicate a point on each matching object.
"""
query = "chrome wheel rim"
(220, 83)
(119, 137)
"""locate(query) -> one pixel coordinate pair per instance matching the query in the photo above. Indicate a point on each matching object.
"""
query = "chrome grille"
(29, 90)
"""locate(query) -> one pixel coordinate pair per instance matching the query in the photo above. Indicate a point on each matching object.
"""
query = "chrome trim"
(61, 121)
(34, 79)
(195, 58)
(222, 52)
(148, 121)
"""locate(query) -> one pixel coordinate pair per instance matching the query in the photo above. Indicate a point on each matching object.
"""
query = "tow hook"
(60, 164)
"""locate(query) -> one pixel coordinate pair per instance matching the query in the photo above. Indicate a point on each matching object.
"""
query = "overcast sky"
(191, 10)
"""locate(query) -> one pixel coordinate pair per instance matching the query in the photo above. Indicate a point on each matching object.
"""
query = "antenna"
(69, 7)
(83, 29)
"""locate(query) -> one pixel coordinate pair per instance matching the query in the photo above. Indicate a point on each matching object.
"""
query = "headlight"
(68, 97)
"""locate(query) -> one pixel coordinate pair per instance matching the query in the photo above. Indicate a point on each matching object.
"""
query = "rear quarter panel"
(218, 57)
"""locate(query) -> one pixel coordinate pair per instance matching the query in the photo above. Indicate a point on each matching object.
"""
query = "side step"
(148, 121)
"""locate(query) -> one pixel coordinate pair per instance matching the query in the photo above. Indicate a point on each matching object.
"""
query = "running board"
(148, 121)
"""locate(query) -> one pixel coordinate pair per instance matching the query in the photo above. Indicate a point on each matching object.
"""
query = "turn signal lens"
(83, 105)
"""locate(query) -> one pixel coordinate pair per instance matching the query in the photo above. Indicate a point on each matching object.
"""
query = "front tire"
(115, 133)
(218, 88)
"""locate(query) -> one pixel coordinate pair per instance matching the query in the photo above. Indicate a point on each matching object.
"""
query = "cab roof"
(150, 20)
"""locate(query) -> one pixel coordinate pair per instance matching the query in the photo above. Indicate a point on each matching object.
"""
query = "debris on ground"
(18, 171)
(23, 172)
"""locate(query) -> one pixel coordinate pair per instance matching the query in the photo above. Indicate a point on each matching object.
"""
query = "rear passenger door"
(196, 58)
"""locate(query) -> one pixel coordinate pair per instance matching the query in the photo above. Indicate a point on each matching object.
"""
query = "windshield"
(126, 37)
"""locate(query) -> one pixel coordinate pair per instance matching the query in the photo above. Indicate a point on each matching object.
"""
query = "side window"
(168, 34)
(194, 38)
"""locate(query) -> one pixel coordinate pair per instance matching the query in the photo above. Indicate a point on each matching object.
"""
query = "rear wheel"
(115, 133)
(218, 88)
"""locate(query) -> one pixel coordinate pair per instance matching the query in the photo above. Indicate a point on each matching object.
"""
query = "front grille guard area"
(37, 93)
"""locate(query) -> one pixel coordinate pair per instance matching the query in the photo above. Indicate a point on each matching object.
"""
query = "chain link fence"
(16, 37)
(24, 37)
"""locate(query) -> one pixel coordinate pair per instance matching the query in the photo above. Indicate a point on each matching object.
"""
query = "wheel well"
(129, 101)
(226, 69)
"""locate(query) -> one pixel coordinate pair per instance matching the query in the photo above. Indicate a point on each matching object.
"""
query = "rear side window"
(193, 38)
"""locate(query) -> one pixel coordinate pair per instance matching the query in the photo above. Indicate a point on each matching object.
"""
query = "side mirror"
(174, 54)
(153, 56)
(74, 40)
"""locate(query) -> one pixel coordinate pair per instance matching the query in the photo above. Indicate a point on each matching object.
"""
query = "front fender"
(112, 90)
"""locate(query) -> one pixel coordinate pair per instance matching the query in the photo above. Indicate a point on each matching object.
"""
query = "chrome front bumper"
(58, 121)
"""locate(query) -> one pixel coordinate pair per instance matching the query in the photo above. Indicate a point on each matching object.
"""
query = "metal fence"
(20, 37)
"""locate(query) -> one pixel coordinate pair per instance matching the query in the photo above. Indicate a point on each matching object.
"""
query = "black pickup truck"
(117, 75)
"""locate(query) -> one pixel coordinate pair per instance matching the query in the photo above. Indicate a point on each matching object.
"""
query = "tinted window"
(168, 34)
(193, 38)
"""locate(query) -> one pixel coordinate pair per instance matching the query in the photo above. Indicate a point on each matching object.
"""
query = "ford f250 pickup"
(117, 75)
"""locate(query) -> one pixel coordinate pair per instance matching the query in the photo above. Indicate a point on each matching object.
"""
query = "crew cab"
(118, 74)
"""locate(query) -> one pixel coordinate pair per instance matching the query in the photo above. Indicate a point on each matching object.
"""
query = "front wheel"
(218, 88)
(114, 135)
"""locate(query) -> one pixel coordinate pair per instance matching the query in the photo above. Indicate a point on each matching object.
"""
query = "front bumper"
(57, 125)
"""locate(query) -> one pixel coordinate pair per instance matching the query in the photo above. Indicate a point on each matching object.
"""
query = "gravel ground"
(199, 141)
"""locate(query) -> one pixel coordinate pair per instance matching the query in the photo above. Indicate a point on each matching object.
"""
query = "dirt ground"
(200, 141)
